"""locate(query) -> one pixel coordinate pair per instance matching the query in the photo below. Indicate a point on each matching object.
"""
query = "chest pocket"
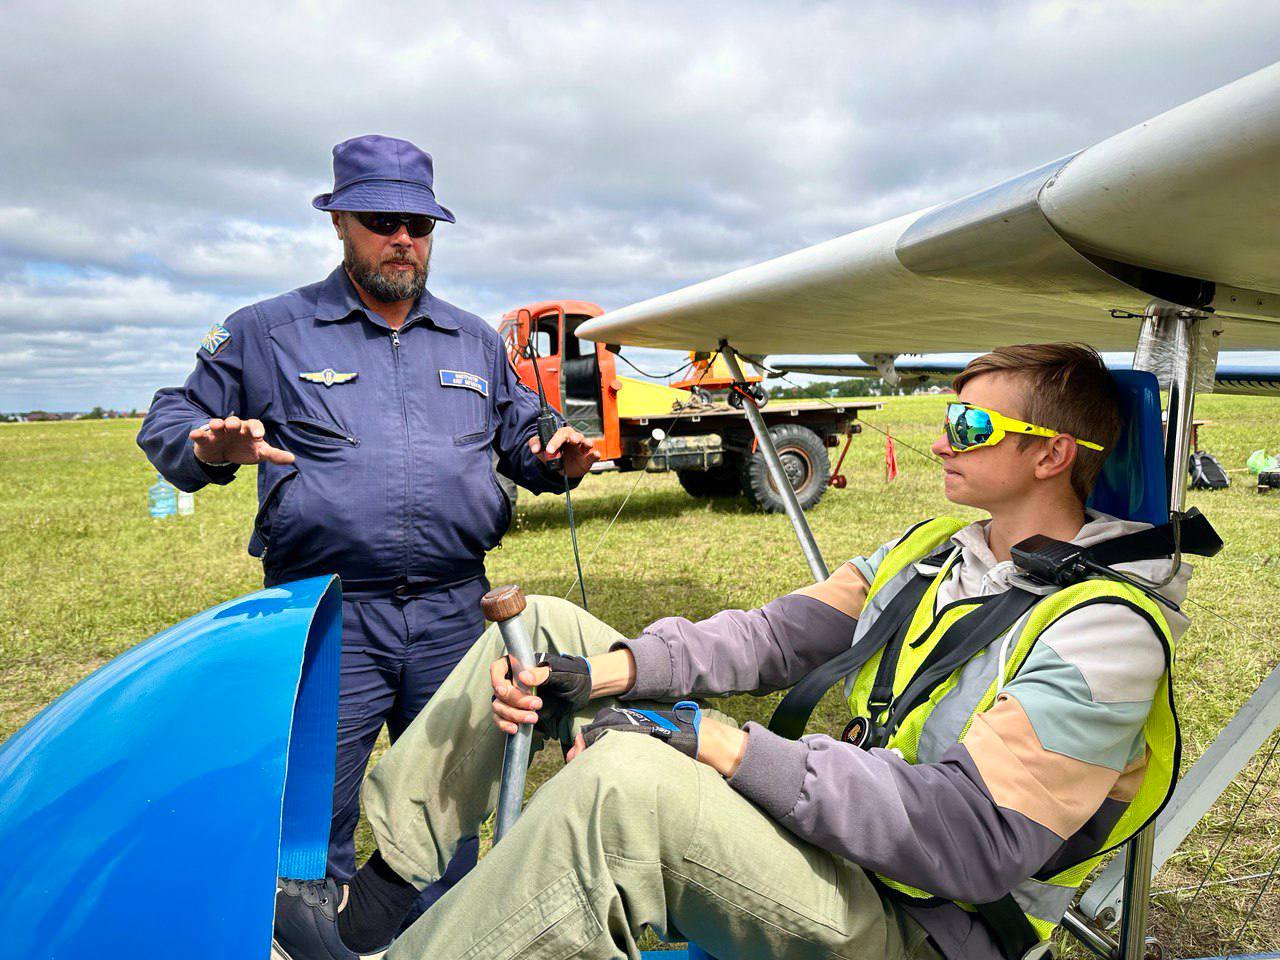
(325, 379)
(461, 387)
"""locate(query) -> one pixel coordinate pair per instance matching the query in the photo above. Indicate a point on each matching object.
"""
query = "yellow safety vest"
(1042, 901)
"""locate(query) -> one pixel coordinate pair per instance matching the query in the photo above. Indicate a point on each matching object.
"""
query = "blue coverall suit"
(392, 487)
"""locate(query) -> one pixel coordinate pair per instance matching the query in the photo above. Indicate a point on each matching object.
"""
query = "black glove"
(566, 691)
(677, 726)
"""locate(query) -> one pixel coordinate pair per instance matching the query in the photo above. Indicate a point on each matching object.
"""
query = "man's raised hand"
(236, 441)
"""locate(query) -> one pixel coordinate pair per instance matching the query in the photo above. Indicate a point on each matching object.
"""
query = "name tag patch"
(468, 381)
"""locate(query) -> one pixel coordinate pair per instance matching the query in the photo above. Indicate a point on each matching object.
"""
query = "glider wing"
(1183, 208)
(1239, 374)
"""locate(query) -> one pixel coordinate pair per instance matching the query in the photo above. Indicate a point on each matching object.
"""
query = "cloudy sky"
(158, 162)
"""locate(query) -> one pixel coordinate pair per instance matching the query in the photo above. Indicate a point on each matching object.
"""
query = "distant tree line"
(40, 416)
(854, 387)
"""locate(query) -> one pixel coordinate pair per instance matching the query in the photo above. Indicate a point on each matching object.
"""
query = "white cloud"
(607, 152)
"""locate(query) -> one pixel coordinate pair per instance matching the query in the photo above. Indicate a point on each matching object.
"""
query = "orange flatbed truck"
(642, 425)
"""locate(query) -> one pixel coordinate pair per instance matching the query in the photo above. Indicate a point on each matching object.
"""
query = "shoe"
(307, 923)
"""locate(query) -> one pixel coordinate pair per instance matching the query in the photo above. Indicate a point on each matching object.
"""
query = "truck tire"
(721, 481)
(804, 457)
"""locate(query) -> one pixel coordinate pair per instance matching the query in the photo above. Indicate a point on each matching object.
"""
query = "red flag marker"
(890, 458)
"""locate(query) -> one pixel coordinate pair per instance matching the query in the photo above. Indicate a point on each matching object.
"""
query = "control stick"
(503, 606)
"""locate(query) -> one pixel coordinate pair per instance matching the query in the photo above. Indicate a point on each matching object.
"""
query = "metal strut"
(1169, 345)
(1180, 329)
(809, 546)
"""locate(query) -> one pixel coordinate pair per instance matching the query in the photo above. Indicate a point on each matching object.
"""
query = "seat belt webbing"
(1196, 536)
(792, 714)
(962, 640)
(1009, 926)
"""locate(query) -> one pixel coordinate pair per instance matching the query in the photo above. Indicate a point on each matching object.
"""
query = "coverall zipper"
(407, 512)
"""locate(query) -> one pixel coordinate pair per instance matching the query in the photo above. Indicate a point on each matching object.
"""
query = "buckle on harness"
(861, 732)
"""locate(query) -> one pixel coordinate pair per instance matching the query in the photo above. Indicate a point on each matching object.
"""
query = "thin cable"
(544, 409)
(862, 420)
(1226, 881)
(573, 536)
(639, 476)
(1235, 822)
(1248, 918)
(899, 440)
(1209, 610)
(656, 376)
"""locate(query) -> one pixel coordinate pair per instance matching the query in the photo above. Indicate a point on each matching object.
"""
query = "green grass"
(88, 574)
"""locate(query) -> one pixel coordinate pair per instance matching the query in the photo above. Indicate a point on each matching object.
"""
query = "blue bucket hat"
(382, 175)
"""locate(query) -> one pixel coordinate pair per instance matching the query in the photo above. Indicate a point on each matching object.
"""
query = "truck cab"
(578, 377)
(642, 425)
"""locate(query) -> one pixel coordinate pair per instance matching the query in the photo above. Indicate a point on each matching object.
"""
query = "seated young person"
(977, 795)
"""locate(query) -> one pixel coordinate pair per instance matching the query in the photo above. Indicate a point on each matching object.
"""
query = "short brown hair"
(1066, 388)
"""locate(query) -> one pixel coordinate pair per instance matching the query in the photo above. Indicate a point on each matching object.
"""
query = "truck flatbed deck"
(798, 410)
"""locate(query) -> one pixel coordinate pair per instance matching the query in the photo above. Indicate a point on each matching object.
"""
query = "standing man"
(372, 409)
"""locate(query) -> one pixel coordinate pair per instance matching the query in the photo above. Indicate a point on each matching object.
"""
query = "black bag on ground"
(1207, 473)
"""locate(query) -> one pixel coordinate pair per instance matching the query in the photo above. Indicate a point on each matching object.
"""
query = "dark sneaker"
(307, 923)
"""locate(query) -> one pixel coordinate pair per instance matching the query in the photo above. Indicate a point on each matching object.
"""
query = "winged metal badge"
(328, 376)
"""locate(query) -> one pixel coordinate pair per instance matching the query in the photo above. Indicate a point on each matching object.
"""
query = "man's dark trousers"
(395, 654)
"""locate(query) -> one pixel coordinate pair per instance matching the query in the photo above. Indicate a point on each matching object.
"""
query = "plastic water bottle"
(186, 503)
(163, 499)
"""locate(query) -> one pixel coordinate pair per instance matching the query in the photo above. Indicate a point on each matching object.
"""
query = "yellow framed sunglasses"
(969, 427)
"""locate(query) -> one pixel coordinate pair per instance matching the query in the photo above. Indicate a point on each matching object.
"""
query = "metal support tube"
(1180, 329)
(1182, 401)
(1137, 895)
(1098, 943)
(809, 546)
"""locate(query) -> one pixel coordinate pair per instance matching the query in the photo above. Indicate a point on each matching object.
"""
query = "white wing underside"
(1184, 208)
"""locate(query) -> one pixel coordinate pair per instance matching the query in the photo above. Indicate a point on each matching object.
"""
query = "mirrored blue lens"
(967, 427)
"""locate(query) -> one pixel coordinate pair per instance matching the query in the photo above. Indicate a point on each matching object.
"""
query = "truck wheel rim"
(797, 466)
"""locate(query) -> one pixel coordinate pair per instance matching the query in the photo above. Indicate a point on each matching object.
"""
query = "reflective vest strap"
(915, 545)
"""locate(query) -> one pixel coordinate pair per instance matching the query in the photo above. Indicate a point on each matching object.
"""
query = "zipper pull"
(395, 338)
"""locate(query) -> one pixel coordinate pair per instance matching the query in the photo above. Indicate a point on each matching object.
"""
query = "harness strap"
(962, 640)
(1009, 927)
(792, 714)
(1195, 536)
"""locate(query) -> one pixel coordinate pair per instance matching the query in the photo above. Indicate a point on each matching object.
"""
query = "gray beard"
(381, 288)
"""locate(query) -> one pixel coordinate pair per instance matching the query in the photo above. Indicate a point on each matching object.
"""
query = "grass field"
(87, 574)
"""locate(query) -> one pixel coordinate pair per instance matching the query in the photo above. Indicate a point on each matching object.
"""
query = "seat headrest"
(1132, 485)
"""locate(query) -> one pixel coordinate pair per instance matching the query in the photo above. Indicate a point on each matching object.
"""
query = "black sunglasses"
(387, 224)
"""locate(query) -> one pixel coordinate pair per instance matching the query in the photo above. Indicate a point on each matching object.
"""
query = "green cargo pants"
(630, 834)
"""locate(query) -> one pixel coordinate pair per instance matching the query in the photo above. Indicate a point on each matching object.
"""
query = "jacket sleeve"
(737, 651)
(215, 388)
(517, 407)
(752, 651)
(999, 805)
